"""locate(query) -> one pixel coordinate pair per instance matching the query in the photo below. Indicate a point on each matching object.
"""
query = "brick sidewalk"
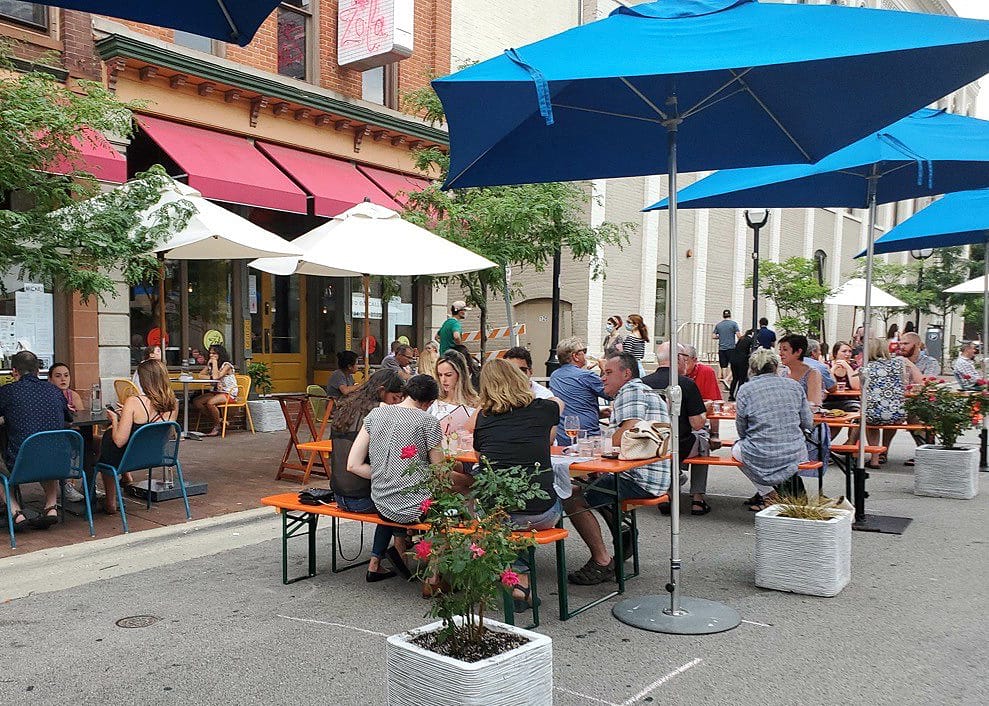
(239, 469)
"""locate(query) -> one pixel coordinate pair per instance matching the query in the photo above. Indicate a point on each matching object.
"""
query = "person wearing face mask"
(615, 331)
(636, 338)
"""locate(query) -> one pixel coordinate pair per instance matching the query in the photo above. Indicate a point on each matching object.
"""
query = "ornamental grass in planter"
(803, 546)
(947, 470)
(465, 657)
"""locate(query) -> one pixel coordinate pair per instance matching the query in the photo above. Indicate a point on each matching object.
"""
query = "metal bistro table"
(582, 469)
(185, 383)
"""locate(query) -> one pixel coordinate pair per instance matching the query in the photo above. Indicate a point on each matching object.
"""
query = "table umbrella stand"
(864, 522)
(675, 614)
(984, 433)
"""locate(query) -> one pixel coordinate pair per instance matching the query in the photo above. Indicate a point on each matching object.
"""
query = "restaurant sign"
(372, 33)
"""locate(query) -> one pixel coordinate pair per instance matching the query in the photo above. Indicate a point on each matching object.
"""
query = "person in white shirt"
(520, 357)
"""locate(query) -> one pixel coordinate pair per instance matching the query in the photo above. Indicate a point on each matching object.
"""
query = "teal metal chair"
(154, 445)
(47, 455)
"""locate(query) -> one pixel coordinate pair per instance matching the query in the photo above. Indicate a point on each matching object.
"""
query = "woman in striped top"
(636, 338)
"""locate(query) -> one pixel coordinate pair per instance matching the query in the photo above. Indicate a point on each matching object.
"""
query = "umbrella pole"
(984, 435)
(161, 305)
(674, 614)
(863, 522)
(366, 280)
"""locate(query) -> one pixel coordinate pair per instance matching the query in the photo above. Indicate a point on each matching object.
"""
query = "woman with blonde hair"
(886, 382)
(428, 358)
(636, 338)
(155, 403)
(512, 428)
(456, 390)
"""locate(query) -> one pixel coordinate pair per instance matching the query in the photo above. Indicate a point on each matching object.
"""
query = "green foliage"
(893, 278)
(510, 225)
(38, 119)
(944, 269)
(470, 544)
(260, 375)
(792, 286)
(948, 411)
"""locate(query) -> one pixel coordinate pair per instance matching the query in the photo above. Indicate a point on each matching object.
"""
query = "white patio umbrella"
(373, 240)
(973, 286)
(852, 293)
(211, 233)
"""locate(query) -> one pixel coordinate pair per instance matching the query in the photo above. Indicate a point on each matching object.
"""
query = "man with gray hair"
(812, 357)
(577, 387)
(400, 360)
(692, 418)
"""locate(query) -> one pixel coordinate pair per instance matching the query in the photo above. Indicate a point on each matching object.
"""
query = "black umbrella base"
(697, 616)
(883, 524)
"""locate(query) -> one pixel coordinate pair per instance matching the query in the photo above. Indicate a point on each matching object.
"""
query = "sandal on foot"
(44, 520)
(527, 601)
(910, 462)
(215, 431)
(764, 502)
(699, 507)
(755, 499)
(23, 524)
(592, 573)
(883, 458)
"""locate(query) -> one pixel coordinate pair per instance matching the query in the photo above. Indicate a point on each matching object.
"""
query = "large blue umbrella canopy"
(229, 21)
(753, 84)
(930, 152)
(961, 218)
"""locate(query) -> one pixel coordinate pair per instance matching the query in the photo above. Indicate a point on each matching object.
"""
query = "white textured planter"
(418, 677)
(267, 415)
(946, 474)
(813, 557)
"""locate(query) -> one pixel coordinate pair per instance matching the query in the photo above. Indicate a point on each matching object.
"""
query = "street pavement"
(909, 629)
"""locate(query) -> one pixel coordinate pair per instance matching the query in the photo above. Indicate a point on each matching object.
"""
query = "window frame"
(310, 15)
(45, 28)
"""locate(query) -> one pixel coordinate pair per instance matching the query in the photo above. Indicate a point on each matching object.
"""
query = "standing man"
(633, 402)
(912, 348)
(451, 331)
(520, 357)
(30, 405)
(692, 418)
(578, 387)
(765, 335)
(727, 332)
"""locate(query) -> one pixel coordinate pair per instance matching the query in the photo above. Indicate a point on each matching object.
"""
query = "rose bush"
(948, 411)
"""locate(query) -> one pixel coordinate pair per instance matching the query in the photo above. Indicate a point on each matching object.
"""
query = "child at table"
(60, 376)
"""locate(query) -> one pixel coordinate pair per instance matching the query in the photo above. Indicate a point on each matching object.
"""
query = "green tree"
(510, 225)
(895, 279)
(70, 250)
(944, 269)
(793, 287)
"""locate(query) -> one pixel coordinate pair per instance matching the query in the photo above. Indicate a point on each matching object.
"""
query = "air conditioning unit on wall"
(372, 34)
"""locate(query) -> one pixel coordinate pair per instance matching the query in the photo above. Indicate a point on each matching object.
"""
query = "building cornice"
(288, 98)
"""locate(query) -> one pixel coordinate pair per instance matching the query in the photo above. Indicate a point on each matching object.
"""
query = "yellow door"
(279, 330)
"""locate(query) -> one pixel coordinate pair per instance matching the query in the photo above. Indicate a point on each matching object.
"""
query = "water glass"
(586, 445)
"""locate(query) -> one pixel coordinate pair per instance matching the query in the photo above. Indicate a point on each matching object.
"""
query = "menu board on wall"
(34, 321)
(8, 334)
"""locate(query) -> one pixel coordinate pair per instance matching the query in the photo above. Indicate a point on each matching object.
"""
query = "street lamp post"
(552, 363)
(920, 256)
(756, 227)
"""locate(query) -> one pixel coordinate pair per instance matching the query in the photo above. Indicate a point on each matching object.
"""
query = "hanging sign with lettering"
(372, 33)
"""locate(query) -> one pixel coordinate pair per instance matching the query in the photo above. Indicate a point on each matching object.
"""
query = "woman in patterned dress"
(886, 382)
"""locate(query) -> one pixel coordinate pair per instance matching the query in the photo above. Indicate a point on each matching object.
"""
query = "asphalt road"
(910, 628)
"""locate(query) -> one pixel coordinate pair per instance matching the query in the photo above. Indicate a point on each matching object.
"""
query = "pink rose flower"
(423, 550)
(425, 505)
(408, 452)
(509, 578)
(477, 551)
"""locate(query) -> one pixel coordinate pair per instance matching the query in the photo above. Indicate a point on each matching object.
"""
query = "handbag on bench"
(645, 440)
(316, 496)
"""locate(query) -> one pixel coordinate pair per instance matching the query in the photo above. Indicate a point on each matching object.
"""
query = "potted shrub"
(266, 413)
(946, 470)
(465, 657)
(803, 546)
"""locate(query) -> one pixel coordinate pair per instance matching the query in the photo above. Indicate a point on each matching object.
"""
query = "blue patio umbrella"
(234, 22)
(930, 152)
(727, 83)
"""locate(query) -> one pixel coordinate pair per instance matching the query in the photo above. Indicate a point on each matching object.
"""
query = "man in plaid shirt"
(634, 401)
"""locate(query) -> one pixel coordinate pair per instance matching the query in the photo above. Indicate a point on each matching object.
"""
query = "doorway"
(536, 314)
(278, 328)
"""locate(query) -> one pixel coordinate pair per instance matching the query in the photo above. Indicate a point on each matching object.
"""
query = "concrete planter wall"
(520, 676)
(813, 557)
(267, 415)
(944, 473)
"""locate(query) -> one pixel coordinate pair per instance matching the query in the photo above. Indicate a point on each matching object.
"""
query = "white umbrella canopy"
(973, 286)
(852, 293)
(373, 240)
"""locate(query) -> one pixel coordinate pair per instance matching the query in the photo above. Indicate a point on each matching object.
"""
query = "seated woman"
(150, 353)
(887, 379)
(428, 358)
(771, 414)
(218, 367)
(60, 377)
(397, 489)
(352, 492)
(792, 352)
(156, 403)
(455, 387)
(341, 382)
(512, 428)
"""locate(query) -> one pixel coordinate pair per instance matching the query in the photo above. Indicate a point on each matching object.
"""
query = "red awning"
(335, 184)
(394, 184)
(96, 156)
(225, 167)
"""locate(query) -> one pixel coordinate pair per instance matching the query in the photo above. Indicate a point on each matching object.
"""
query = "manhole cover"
(138, 621)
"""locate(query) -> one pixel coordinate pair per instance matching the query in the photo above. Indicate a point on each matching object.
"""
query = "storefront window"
(145, 317)
(209, 314)
(28, 13)
(26, 320)
(328, 334)
(293, 38)
(386, 324)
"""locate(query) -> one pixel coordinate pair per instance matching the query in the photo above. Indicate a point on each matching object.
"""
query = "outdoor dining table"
(186, 383)
(304, 466)
(579, 468)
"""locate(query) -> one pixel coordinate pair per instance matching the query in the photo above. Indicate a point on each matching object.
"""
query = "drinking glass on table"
(571, 427)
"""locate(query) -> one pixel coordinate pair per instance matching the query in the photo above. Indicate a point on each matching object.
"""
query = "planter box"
(267, 415)
(942, 473)
(520, 676)
(813, 557)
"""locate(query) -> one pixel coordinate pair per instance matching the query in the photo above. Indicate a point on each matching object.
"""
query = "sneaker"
(71, 494)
